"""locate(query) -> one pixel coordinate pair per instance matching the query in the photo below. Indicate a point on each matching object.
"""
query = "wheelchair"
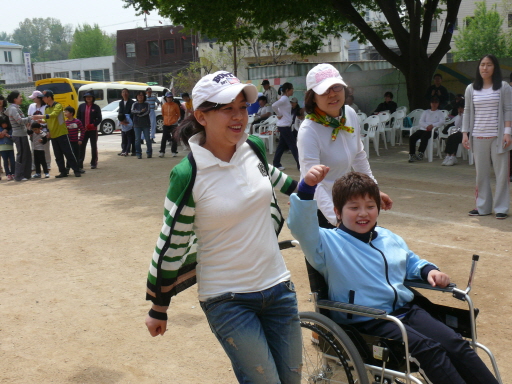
(336, 353)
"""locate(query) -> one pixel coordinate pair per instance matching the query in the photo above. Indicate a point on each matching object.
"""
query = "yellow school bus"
(65, 90)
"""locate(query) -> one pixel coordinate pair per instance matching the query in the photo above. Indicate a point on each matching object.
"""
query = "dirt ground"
(75, 254)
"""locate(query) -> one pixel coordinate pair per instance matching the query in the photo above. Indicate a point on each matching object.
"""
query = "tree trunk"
(418, 77)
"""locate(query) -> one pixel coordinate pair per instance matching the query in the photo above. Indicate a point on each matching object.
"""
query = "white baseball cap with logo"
(323, 76)
(221, 87)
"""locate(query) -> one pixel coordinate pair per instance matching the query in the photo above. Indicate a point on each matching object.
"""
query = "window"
(42, 76)
(510, 20)
(169, 46)
(456, 24)
(433, 26)
(187, 45)
(98, 94)
(113, 94)
(449, 57)
(75, 75)
(8, 56)
(130, 49)
(2, 81)
(97, 75)
(64, 74)
(153, 48)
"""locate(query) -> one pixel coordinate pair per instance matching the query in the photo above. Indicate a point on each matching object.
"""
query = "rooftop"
(9, 44)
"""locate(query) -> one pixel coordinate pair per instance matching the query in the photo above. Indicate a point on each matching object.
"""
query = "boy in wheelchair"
(367, 265)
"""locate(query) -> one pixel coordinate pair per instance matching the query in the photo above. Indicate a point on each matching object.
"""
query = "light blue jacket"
(375, 271)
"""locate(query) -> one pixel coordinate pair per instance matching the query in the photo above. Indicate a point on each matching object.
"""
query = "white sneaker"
(281, 168)
(24, 179)
(450, 161)
(174, 154)
(161, 154)
(36, 176)
(46, 175)
(446, 159)
(455, 161)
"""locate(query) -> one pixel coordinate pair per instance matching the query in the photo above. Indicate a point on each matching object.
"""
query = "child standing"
(7, 147)
(126, 133)
(76, 133)
(39, 139)
(455, 137)
(366, 265)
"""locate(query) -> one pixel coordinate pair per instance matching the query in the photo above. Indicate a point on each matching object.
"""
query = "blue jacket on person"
(364, 273)
(6, 140)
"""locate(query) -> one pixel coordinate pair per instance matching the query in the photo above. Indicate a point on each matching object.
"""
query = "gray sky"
(108, 14)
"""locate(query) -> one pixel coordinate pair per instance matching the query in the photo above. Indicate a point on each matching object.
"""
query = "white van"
(105, 93)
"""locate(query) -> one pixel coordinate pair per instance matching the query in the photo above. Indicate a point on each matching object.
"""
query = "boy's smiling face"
(359, 214)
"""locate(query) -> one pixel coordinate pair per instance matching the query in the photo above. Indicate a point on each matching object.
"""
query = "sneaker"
(175, 154)
(139, 156)
(78, 174)
(454, 159)
(420, 156)
(61, 175)
(133, 154)
(281, 168)
(150, 156)
(24, 179)
(153, 141)
(10, 177)
(120, 154)
(161, 154)
(501, 216)
(450, 161)
(36, 176)
(93, 166)
(46, 175)
(446, 159)
(81, 170)
(474, 212)
(412, 158)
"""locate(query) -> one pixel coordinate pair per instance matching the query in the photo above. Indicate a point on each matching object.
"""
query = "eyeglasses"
(335, 88)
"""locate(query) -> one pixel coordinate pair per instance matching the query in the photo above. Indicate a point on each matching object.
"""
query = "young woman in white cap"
(221, 222)
(330, 135)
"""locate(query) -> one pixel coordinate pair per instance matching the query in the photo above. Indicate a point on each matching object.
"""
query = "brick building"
(148, 54)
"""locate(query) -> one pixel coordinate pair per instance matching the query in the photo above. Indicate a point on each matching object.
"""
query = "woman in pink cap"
(330, 135)
(221, 222)
(37, 108)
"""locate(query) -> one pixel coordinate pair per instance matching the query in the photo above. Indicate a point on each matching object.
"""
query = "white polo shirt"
(237, 245)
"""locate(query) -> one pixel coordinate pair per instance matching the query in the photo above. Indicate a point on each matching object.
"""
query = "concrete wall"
(25, 88)
(87, 64)
(13, 73)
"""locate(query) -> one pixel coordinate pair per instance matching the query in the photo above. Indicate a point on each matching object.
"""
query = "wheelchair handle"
(472, 272)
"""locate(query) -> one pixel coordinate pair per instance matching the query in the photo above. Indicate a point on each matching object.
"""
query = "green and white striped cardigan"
(173, 266)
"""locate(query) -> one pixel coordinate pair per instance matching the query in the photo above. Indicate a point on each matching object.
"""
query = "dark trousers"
(62, 148)
(169, 133)
(40, 160)
(424, 136)
(442, 354)
(9, 164)
(23, 168)
(286, 141)
(126, 141)
(93, 137)
(131, 133)
(75, 147)
(452, 143)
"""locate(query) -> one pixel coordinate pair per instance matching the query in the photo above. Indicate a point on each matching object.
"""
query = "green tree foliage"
(406, 21)
(45, 39)
(4, 36)
(91, 41)
(480, 35)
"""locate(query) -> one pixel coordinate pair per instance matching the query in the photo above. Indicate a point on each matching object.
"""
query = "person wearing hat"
(269, 92)
(221, 222)
(56, 122)
(171, 114)
(37, 108)
(89, 114)
(330, 135)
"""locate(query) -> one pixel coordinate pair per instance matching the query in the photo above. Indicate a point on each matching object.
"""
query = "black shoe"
(60, 175)
(120, 154)
(150, 156)
(133, 154)
(142, 141)
(153, 141)
(78, 174)
(139, 156)
(474, 212)
(93, 167)
(81, 171)
(412, 158)
(419, 156)
(501, 216)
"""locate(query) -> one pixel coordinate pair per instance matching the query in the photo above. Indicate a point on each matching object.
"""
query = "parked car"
(110, 122)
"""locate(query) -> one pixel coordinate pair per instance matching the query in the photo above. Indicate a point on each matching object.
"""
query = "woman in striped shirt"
(486, 127)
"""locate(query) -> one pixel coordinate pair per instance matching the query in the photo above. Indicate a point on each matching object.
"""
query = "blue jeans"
(260, 332)
(8, 157)
(138, 149)
(152, 119)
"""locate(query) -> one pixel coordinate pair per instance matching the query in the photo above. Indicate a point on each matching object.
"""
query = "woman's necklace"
(321, 117)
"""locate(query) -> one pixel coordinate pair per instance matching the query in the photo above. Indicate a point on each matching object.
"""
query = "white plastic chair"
(369, 131)
(384, 126)
(266, 131)
(431, 142)
(415, 117)
(249, 123)
(402, 108)
(396, 122)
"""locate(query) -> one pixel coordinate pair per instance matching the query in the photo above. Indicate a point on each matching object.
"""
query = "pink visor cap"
(322, 77)
(222, 87)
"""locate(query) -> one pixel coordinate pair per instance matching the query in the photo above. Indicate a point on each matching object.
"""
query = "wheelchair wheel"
(328, 354)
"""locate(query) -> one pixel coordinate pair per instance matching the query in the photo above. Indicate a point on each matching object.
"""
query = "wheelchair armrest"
(354, 309)
(424, 285)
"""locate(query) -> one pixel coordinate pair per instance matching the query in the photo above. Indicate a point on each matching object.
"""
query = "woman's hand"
(156, 327)
(465, 140)
(506, 140)
(438, 279)
(316, 174)
(385, 201)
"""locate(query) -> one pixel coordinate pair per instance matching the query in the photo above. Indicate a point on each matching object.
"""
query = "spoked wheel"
(328, 354)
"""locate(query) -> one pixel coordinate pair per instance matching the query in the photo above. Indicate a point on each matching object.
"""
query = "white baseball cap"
(221, 87)
(321, 77)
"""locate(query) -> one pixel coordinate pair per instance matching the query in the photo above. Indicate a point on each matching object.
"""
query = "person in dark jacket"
(125, 108)
(142, 124)
(89, 114)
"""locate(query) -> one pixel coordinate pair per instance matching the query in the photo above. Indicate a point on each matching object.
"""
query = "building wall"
(12, 65)
(148, 54)
(78, 69)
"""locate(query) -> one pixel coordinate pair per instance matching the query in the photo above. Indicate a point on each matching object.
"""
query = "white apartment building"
(91, 69)
(12, 64)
